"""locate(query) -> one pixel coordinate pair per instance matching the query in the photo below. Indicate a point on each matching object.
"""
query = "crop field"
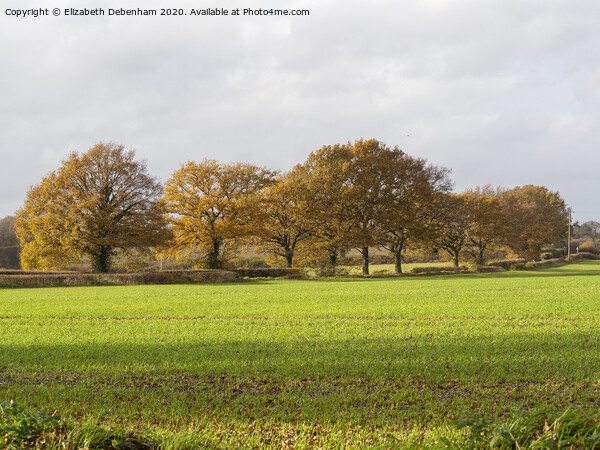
(306, 363)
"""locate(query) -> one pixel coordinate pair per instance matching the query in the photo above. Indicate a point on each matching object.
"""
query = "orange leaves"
(210, 205)
(94, 203)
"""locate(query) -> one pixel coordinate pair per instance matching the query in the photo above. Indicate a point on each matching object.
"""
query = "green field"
(322, 363)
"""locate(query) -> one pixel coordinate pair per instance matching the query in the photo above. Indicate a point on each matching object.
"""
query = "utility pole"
(569, 238)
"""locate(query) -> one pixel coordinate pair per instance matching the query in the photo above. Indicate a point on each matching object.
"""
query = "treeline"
(359, 195)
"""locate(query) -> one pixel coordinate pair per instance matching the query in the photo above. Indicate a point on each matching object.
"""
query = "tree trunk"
(333, 258)
(397, 251)
(365, 254)
(398, 260)
(480, 259)
(212, 259)
(455, 257)
(289, 257)
(101, 259)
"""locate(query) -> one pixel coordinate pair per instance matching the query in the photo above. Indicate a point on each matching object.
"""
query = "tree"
(486, 225)
(94, 204)
(451, 224)
(533, 216)
(369, 178)
(9, 244)
(589, 230)
(368, 194)
(411, 210)
(281, 219)
(350, 183)
(325, 170)
(210, 206)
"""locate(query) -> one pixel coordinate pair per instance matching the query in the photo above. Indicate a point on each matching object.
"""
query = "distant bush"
(546, 263)
(583, 256)
(506, 263)
(518, 266)
(250, 262)
(488, 269)
(551, 252)
(438, 269)
(382, 259)
(268, 272)
(351, 260)
(95, 279)
(589, 247)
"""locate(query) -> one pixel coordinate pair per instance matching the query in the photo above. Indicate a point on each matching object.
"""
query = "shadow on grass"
(521, 354)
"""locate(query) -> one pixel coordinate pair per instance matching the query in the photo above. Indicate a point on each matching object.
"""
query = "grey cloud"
(503, 92)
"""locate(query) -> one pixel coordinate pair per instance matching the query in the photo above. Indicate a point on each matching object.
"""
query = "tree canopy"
(210, 206)
(358, 195)
(533, 216)
(95, 203)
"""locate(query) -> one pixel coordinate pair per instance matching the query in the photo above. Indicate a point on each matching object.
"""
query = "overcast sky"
(503, 92)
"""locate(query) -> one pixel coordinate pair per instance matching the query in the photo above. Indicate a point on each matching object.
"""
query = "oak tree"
(486, 224)
(210, 206)
(370, 195)
(95, 203)
(533, 216)
(412, 208)
(451, 224)
(281, 218)
(326, 171)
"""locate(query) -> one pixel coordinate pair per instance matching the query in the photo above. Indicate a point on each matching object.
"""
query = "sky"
(503, 92)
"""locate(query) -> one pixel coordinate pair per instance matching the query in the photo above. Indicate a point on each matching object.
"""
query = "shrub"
(488, 269)
(524, 429)
(552, 252)
(438, 269)
(20, 429)
(547, 263)
(381, 259)
(250, 262)
(94, 279)
(589, 247)
(506, 263)
(268, 272)
(583, 256)
(351, 260)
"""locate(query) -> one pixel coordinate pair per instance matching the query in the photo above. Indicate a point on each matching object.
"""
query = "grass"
(303, 363)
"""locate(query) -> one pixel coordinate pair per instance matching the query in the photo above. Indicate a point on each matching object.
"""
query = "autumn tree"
(326, 183)
(9, 244)
(369, 179)
(411, 211)
(533, 216)
(486, 224)
(94, 204)
(349, 184)
(281, 218)
(451, 224)
(210, 206)
(368, 195)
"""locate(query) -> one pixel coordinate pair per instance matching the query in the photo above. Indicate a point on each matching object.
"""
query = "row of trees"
(357, 195)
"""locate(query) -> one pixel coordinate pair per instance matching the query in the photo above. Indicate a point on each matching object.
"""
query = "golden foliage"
(210, 206)
(533, 216)
(94, 203)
